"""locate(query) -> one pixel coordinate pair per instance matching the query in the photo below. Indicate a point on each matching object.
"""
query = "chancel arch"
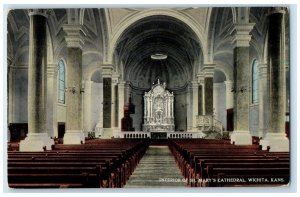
(127, 22)
(181, 52)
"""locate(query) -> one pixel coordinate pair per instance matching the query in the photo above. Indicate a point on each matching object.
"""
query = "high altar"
(158, 109)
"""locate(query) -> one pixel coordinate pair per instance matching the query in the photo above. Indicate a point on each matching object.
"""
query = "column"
(87, 107)
(208, 70)
(107, 100)
(229, 104)
(10, 94)
(127, 92)
(99, 125)
(52, 100)
(216, 100)
(195, 104)
(263, 100)
(241, 134)
(74, 98)
(201, 106)
(37, 137)
(189, 108)
(172, 107)
(121, 91)
(276, 138)
(113, 104)
(229, 94)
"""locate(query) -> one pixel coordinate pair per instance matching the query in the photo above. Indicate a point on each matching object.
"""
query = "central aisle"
(157, 168)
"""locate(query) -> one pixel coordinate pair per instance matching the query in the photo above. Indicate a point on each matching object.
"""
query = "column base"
(36, 142)
(278, 142)
(107, 133)
(98, 130)
(74, 137)
(241, 138)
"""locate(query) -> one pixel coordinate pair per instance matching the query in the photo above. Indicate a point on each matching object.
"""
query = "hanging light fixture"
(159, 56)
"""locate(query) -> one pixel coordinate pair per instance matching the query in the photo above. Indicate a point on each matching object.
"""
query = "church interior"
(102, 97)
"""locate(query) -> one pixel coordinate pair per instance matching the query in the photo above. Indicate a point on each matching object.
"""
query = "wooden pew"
(207, 159)
(103, 164)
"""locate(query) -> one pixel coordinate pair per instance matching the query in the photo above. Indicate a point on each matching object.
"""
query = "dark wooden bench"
(103, 164)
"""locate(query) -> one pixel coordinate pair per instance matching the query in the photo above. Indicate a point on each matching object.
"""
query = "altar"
(158, 109)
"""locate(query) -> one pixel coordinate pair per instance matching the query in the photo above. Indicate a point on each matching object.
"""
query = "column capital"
(107, 71)
(277, 10)
(200, 78)
(208, 70)
(263, 70)
(217, 85)
(241, 34)
(75, 34)
(115, 78)
(52, 70)
(41, 12)
(122, 83)
(194, 84)
(228, 82)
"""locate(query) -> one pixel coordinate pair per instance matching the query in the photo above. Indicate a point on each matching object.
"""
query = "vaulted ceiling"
(149, 35)
(158, 35)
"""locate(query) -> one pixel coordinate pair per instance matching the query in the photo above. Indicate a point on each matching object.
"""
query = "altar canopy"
(158, 109)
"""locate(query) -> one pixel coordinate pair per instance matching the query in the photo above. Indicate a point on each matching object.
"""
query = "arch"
(226, 69)
(126, 23)
(91, 69)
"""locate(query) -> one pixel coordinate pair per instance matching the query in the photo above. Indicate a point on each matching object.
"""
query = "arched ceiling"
(158, 35)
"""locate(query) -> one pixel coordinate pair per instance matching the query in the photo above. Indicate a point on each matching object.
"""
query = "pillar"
(121, 91)
(216, 100)
(195, 101)
(276, 137)
(52, 100)
(208, 70)
(37, 137)
(87, 109)
(229, 104)
(189, 108)
(127, 92)
(114, 102)
(229, 94)
(10, 94)
(107, 100)
(262, 100)
(74, 98)
(241, 134)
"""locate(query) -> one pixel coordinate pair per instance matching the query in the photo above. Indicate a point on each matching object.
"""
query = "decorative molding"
(241, 34)
(52, 70)
(277, 10)
(41, 12)
(194, 84)
(75, 35)
(200, 78)
(107, 71)
(263, 70)
(208, 70)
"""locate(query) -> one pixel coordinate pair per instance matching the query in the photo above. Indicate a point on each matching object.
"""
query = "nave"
(118, 163)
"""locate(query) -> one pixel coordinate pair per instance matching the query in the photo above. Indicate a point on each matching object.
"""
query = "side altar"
(158, 109)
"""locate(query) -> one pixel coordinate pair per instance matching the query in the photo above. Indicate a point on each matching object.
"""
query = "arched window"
(61, 82)
(254, 82)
